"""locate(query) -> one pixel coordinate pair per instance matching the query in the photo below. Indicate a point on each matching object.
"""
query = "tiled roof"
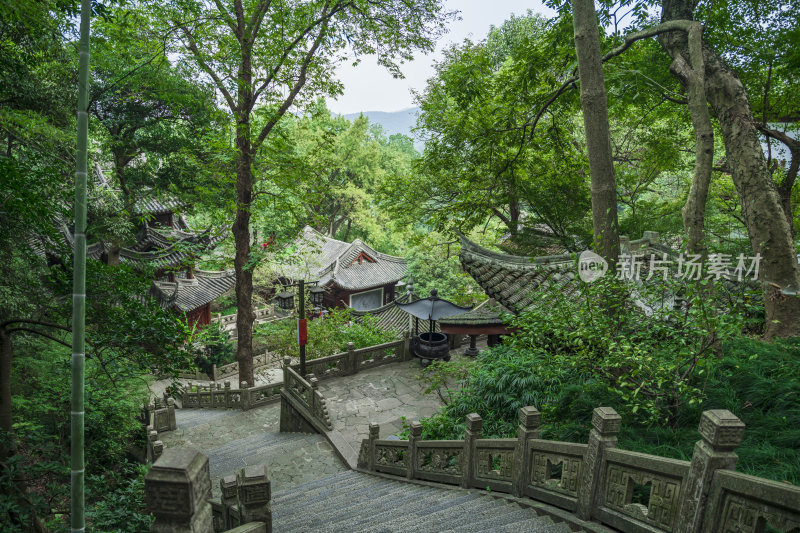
(155, 205)
(390, 317)
(335, 262)
(514, 281)
(159, 248)
(189, 294)
(486, 314)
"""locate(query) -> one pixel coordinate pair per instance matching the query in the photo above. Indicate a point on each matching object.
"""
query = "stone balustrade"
(178, 492)
(355, 360)
(629, 491)
(260, 361)
(223, 396)
(303, 407)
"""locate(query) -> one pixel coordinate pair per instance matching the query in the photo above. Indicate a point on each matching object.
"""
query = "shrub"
(325, 336)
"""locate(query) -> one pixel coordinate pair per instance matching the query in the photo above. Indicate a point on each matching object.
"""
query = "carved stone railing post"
(374, 433)
(158, 450)
(227, 388)
(152, 437)
(177, 489)
(352, 359)
(605, 427)
(312, 394)
(529, 421)
(245, 395)
(287, 363)
(414, 434)
(721, 433)
(473, 432)
(230, 497)
(254, 495)
(173, 423)
(406, 347)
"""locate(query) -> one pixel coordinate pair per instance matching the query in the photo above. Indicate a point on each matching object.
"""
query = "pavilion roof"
(516, 281)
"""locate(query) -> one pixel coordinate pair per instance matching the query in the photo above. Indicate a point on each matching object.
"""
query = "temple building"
(353, 274)
(167, 242)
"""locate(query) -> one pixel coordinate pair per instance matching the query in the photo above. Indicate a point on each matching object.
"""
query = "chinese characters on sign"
(688, 267)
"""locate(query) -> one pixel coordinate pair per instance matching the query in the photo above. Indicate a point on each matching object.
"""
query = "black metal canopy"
(432, 307)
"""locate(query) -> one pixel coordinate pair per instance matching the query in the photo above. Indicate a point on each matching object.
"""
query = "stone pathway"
(385, 395)
(232, 439)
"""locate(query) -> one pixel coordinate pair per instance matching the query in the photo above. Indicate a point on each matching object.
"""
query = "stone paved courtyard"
(384, 394)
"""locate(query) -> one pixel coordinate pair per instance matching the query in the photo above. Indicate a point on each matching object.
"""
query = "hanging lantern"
(316, 294)
(285, 300)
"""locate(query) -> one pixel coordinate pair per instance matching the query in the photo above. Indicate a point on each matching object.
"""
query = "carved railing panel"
(381, 354)
(328, 367)
(441, 461)
(739, 503)
(390, 456)
(637, 488)
(264, 394)
(554, 472)
(494, 463)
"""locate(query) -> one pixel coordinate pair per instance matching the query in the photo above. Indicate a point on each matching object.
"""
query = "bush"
(758, 381)
(325, 336)
(217, 348)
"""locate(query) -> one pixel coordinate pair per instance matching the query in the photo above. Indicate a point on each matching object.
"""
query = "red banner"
(302, 332)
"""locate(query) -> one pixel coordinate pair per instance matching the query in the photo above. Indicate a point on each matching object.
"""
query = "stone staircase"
(356, 502)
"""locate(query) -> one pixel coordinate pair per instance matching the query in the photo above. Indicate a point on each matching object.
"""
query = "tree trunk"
(598, 137)
(244, 273)
(693, 78)
(765, 219)
(241, 226)
(6, 358)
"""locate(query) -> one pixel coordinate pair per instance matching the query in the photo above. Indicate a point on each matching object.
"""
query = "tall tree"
(270, 53)
(768, 229)
(605, 225)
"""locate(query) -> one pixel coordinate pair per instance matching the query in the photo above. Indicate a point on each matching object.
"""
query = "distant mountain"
(393, 122)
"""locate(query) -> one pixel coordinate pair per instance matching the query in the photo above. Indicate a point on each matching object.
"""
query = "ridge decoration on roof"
(514, 281)
(352, 266)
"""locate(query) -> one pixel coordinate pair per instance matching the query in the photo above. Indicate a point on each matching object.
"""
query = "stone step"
(356, 502)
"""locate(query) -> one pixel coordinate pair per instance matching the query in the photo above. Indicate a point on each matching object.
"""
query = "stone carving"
(495, 464)
(390, 456)
(742, 516)
(721, 429)
(542, 465)
(664, 495)
(440, 460)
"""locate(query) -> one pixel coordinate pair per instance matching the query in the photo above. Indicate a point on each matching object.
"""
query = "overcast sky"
(368, 87)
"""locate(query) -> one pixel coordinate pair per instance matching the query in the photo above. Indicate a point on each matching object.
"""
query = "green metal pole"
(301, 292)
(77, 514)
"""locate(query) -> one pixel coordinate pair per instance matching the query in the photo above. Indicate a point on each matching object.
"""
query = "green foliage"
(41, 403)
(325, 336)
(567, 368)
(216, 347)
(120, 505)
(433, 264)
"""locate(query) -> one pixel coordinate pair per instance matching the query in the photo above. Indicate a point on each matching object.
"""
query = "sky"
(369, 87)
